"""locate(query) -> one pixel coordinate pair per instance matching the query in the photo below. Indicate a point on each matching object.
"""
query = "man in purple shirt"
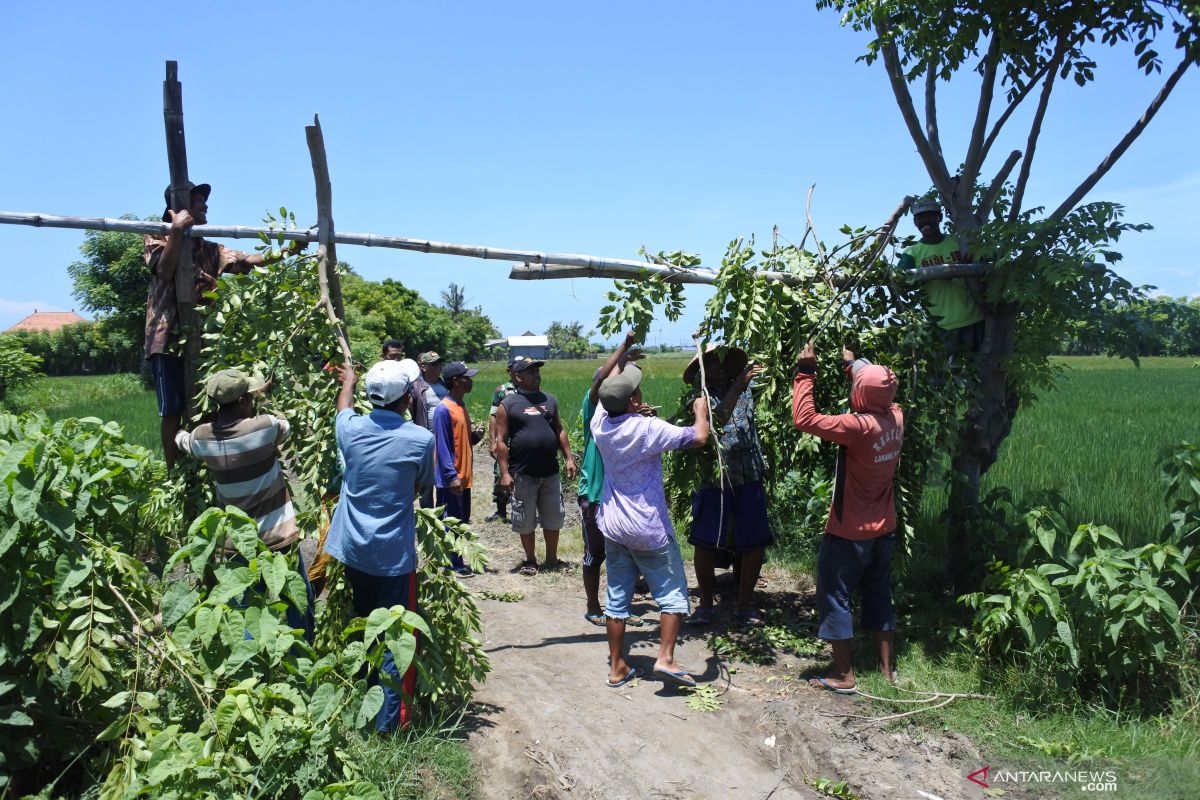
(633, 517)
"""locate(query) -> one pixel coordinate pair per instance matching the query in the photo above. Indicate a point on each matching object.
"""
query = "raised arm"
(700, 412)
(345, 398)
(725, 406)
(618, 358)
(168, 260)
(840, 428)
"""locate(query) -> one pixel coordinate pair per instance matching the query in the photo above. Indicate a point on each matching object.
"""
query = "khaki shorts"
(537, 500)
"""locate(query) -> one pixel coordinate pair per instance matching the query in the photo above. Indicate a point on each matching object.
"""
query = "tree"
(567, 337)
(1040, 279)
(111, 282)
(454, 300)
(16, 365)
(376, 311)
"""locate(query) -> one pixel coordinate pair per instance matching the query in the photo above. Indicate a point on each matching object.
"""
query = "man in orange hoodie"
(856, 552)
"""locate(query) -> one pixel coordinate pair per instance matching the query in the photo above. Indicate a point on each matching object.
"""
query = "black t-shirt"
(532, 434)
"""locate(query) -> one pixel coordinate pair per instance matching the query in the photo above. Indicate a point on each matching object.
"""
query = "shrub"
(1087, 612)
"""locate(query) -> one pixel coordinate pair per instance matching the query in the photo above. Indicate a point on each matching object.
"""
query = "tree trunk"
(987, 425)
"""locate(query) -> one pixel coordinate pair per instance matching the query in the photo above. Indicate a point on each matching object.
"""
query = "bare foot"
(618, 671)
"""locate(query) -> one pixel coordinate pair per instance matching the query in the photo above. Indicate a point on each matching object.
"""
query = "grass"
(1027, 728)
(428, 763)
(1097, 440)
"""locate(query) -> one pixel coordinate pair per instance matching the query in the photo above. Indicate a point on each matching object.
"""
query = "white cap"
(387, 382)
(410, 369)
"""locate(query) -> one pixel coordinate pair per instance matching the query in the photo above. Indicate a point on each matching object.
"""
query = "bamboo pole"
(537, 265)
(181, 199)
(331, 287)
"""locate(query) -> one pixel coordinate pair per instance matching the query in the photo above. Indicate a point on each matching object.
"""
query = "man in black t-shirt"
(529, 435)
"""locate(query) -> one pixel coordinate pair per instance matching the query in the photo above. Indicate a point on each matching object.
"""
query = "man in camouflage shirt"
(500, 496)
(209, 261)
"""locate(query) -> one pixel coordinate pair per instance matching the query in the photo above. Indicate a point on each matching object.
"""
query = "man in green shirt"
(950, 301)
(591, 481)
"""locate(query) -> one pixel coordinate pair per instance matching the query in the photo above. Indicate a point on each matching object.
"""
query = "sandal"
(528, 568)
(596, 618)
(749, 618)
(701, 616)
(635, 621)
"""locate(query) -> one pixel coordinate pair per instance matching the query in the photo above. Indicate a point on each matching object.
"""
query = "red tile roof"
(46, 321)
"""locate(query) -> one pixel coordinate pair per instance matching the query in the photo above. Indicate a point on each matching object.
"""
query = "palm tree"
(454, 300)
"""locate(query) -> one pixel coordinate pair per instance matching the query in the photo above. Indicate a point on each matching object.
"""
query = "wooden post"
(331, 285)
(181, 199)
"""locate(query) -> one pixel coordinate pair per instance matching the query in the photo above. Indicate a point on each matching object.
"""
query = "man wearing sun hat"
(729, 512)
(388, 458)
(209, 261)
(239, 449)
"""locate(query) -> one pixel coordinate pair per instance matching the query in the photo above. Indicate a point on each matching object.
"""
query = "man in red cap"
(209, 261)
(856, 551)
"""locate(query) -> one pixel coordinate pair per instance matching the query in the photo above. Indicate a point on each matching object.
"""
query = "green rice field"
(1097, 439)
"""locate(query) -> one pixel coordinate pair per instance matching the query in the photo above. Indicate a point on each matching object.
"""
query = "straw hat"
(734, 360)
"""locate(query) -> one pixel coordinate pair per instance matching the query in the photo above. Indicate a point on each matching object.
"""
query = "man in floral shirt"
(209, 261)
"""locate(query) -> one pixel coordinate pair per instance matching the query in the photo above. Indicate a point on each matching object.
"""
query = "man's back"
(240, 455)
(373, 527)
(633, 506)
(532, 435)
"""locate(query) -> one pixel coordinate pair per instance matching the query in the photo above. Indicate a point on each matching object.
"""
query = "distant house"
(47, 321)
(527, 344)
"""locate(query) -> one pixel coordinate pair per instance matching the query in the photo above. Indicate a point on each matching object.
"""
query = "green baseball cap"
(430, 358)
(230, 384)
(617, 388)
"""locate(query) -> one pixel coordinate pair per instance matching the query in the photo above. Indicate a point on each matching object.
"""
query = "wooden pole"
(181, 199)
(331, 286)
(537, 265)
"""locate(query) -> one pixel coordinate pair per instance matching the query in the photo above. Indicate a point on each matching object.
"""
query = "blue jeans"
(663, 569)
(384, 591)
(844, 565)
(459, 507)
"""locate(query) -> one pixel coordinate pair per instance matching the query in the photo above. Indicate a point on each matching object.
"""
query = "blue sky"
(548, 126)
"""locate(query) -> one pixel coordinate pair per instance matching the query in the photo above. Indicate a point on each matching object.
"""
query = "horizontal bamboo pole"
(536, 265)
(626, 267)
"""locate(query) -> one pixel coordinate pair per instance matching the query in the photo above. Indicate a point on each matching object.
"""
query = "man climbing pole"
(210, 261)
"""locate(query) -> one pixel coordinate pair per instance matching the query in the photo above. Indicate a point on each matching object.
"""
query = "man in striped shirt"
(239, 449)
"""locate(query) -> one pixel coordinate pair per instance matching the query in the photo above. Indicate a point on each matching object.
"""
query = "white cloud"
(13, 311)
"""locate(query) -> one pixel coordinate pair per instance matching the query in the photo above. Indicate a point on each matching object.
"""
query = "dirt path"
(545, 725)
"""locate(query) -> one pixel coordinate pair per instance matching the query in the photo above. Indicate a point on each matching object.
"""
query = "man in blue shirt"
(388, 460)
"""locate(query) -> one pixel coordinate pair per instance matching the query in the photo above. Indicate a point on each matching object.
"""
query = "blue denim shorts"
(663, 569)
(167, 371)
(844, 565)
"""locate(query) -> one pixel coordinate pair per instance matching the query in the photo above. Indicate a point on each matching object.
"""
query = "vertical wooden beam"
(181, 198)
(331, 286)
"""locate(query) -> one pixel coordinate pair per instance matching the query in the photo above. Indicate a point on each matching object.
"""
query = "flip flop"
(632, 675)
(749, 618)
(634, 622)
(835, 689)
(701, 617)
(677, 678)
(596, 618)
(529, 568)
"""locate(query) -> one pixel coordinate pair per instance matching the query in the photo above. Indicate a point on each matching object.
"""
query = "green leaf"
(371, 703)
(403, 648)
(275, 571)
(177, 601)
(19, 719)
(324, 702)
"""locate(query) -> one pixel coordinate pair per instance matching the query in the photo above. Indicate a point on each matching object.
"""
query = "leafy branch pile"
(189, 681)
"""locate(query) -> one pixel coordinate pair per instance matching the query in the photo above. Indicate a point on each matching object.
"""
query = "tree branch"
(1012, 106)
(931, 122)
(1035, 129)
(934, 164)
(989, 197)
(1123, 145)
(974, 158)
